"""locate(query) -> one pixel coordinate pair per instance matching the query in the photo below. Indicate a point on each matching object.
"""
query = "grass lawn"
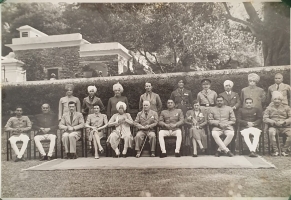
(151, 182)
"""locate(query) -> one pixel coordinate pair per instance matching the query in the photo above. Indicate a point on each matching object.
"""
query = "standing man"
(153, 98)
(19, 126)
(278, 117)
(206, 97)
(145, 121)
(281, 87)
(170, 120)
(250, 119)
(231, 98)
(72, 123)
(182, 97)
(222, 118)
(46, 125)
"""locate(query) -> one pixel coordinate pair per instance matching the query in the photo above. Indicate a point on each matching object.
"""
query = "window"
(24, 34)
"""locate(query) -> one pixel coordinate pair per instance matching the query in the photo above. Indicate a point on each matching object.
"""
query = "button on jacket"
(231, 100)
(246, 115)
(174, 116)
(273, 114)
(46, 120)
(23, 123)
(151, 119)
(183, 99)
(223, 114)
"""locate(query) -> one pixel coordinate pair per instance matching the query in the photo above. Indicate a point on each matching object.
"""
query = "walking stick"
(143, 144)
(279, 146)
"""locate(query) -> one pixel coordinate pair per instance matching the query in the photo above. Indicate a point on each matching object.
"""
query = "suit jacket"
(48, 120)
(87, 106)
(233, 100)
(77, 123)
(154, 99)
(151, 120)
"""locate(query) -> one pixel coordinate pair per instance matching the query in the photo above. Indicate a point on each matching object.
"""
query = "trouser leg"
(272, 135)
(38, 144)
(52, 139)
(256, 140)
(162, 134)
(66, 142)
(73, 142)
(24, 139)
(138, 140)
(178, 134)
(229, 135)
(246, 136)
(13, 141)
(152, 140)
(219, 142)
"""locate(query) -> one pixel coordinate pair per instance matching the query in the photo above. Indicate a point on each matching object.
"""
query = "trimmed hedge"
(31, 95)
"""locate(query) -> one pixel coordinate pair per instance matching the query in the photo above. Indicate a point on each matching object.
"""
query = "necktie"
(277, 86)
(71, 118)
(146, 114)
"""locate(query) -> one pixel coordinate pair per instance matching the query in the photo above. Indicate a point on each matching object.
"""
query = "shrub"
(33, 94)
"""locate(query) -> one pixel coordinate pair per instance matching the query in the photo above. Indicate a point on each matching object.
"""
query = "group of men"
(221, 117)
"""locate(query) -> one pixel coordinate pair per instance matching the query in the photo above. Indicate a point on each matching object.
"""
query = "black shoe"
(217, 154)
(163, 155)
(17, 159)
(177, 155)
(124, 155)
(74, 156)
(229, 154)
(22, 159)
(68, 156)
(42, 158)
(194, 155)
(49, 158)
(202, 150)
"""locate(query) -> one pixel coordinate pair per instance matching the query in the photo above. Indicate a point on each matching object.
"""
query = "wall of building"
(37, 61)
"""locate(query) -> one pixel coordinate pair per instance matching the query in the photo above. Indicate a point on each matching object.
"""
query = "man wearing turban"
(254, 92)
(278, 117)
(90, 100)
(111, 106)
(64, 101)
(122, 122)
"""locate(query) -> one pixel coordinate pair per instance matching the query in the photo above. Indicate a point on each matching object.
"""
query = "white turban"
(91, 87)
(277, 94)
(254, 77)
(228, 82)
(118, 86)
(146, 102)
(120, 103)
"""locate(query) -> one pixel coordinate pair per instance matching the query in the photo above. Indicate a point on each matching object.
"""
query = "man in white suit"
(71, 123)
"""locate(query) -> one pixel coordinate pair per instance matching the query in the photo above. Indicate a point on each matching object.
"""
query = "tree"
(273, 30)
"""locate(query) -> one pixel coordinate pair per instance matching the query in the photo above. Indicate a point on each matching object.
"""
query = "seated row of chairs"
(185, 148)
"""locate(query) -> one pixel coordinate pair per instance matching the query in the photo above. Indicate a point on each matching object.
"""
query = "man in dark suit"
(46, 124)
(231, 98)
(182, 97)
(71, 123)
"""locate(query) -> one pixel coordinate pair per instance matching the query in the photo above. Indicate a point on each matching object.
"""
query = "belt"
(207, 105)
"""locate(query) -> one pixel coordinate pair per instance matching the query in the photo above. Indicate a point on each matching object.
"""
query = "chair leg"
(62, 153)
(7, 149)
(56, 149)
(269, 145)
(240, 143)
(86, 146)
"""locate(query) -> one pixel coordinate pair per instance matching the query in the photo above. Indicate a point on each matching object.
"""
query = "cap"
(206, 81)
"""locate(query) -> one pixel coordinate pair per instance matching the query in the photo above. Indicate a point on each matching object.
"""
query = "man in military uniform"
(153, 98)
(206, 97)
(278, 117)
(222, 118)
(281, 87)
(19, 126)
(182, 97)
(170, 120)
(145, 121)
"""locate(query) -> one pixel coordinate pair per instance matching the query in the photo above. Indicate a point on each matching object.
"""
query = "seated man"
(18, 126)
(72, 123)
(250, 119)
(170, 120)
(278, 117)
(222, 118)
(145, 121)
(46, 124)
